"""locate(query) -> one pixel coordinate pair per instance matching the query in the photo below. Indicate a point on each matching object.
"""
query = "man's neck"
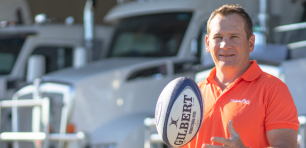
(226, 76)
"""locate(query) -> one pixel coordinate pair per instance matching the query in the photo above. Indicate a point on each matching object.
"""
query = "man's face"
(228, 43)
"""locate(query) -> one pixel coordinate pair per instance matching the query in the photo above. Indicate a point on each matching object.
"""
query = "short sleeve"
(280, 108)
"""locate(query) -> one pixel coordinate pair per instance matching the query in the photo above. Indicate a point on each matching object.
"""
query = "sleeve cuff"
(282, 125)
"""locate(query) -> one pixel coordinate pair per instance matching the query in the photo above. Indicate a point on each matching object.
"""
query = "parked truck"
(29, 50)
(59, 45)
(153, 42)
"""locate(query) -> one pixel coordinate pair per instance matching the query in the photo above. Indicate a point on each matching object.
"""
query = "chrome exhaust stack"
(88, 19)
(263, 18)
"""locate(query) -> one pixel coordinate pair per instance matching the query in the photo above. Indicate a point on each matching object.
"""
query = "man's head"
(233, 9)
(229, 38)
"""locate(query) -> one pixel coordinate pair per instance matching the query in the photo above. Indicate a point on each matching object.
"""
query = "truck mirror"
(80, 57)
(36, 67)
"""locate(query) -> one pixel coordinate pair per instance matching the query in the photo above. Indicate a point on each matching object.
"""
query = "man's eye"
(218, 37)
(234, 36)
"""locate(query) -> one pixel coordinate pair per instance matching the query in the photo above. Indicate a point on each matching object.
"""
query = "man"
(244, 106)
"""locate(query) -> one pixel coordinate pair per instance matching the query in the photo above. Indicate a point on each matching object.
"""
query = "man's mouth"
(226, 55)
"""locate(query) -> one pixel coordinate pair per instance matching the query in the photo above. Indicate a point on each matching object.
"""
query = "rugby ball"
(179, 112)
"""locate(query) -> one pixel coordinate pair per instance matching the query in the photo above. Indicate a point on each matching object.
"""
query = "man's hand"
(233, 142)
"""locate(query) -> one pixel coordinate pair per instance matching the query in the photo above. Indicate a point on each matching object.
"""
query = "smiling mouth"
(226, 55)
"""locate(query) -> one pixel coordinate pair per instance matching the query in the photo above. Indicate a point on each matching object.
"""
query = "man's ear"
(252, 43)
(207, 43)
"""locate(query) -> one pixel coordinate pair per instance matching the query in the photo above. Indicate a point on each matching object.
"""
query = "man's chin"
(227, 64)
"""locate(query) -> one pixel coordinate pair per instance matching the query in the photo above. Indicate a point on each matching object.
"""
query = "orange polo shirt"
(256, 102)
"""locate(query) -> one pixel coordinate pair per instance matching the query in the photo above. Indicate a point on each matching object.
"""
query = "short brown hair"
(232, 9)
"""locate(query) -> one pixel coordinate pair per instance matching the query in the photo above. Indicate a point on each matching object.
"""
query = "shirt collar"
(211, 76)
(250, 74)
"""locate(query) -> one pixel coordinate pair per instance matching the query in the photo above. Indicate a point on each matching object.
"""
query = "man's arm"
(282, 138)
(281, 110)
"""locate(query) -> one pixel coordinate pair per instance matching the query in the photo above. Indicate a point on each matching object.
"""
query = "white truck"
(153, 42)
(29, 50)
(57, 43)
(59, 46)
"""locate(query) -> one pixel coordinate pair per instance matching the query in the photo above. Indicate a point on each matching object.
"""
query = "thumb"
(231, 129)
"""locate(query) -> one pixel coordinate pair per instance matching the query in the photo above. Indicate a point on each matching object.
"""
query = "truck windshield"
(157, 35)
(9, 49)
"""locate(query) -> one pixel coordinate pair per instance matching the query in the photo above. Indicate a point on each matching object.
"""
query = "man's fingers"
(221, 140)
(234, 141)
(231, 129)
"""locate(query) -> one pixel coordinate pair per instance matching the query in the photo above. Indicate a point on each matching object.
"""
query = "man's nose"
(225, 43)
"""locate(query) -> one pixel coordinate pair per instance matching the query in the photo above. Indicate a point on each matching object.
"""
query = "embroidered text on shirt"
(244, 101)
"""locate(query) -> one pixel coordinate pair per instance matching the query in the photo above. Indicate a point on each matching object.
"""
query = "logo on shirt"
(244, 101)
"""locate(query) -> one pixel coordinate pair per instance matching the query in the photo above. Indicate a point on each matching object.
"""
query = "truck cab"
(56, 43)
